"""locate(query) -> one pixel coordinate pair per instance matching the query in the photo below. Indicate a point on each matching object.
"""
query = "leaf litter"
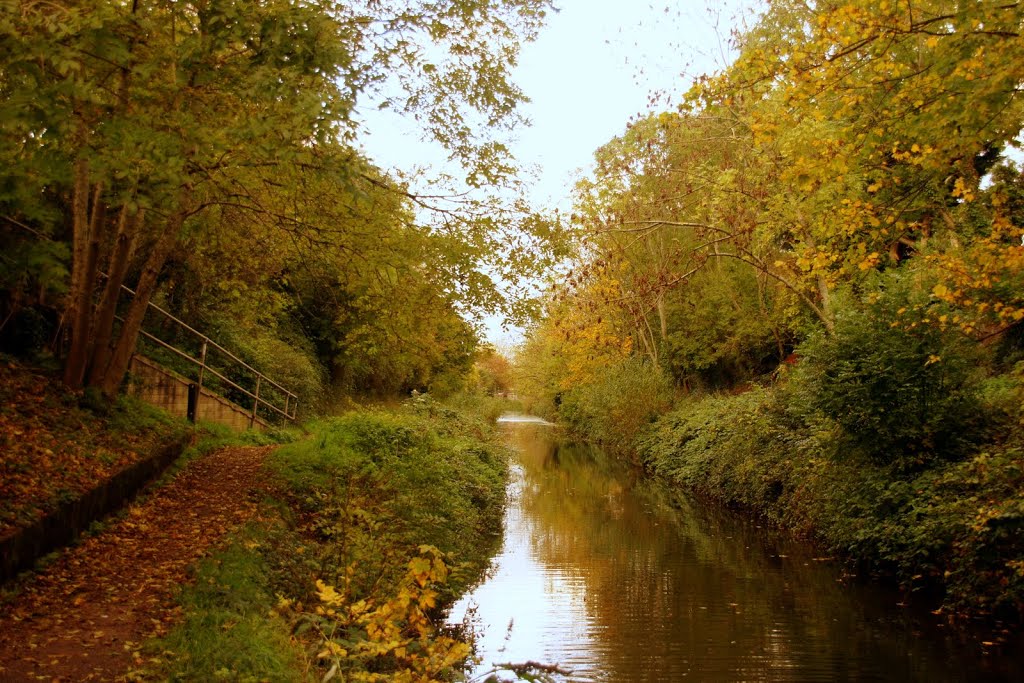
(87, 614)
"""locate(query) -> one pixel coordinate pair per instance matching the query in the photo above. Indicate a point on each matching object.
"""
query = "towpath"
(86, 616)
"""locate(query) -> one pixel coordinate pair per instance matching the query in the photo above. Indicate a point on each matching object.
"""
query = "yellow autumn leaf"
(327, 594)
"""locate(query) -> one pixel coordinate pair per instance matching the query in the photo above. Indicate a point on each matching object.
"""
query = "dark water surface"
(603, 575)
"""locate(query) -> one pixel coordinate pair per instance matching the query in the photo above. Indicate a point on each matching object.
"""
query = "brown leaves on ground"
(52, 450)
(87, 615)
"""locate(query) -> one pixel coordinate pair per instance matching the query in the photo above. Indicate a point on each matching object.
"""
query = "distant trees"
(492, 371)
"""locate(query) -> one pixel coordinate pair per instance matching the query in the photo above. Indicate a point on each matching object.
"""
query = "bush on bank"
(618, 404)
(379, 518)
(956, 524)
(899, 392)
(894, 441)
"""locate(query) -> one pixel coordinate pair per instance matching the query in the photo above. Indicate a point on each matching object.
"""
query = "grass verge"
(379, 519)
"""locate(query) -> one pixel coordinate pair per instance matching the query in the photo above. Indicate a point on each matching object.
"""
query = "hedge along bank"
(925, 483)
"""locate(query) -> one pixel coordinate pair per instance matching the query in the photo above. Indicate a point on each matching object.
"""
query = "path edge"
(23, 547)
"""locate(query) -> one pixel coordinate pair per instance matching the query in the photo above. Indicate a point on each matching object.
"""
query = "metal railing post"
(202, 362)
(202, 372)
(288, 411)
(191, 412)
(255, 401)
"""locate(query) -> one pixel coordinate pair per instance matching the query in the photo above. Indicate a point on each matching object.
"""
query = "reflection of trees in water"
(691, 588)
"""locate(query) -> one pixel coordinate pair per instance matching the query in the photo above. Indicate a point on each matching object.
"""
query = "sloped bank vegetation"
(802, 292)
(947, 520)
(905, 468)
(380, 519)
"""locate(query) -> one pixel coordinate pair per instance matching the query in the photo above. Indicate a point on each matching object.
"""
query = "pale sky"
(599, 63)
(595, 65)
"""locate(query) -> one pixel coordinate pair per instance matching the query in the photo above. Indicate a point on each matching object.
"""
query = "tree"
(675, 211)
(847, 139)
(889, 116)
(132, 121)
(493, 371)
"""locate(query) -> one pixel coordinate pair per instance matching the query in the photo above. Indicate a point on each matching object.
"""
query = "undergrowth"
(380, 519)
(954, 527)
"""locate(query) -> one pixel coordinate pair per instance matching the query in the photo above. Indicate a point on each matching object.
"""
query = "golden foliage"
(390, 640)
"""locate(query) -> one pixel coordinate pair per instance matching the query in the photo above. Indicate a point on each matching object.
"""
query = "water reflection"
(600, 574)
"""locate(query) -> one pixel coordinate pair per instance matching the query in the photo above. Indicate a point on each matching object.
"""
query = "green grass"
(357, 500)
(231, 631)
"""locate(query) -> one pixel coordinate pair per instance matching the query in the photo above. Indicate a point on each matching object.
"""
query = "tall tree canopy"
(888, 116)
(133, 131)
(852, 149)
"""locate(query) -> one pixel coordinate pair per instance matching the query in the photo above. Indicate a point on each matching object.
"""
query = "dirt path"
(85, 617)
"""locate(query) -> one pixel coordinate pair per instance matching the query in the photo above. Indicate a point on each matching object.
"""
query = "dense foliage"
(207, 154)
(953, 526)
(836, 219)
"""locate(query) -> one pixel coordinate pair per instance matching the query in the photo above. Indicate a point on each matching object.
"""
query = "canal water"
(602, 574)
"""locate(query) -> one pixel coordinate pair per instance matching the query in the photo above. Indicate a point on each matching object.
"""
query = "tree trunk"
(110, 382)
(826, 300)
(85, 249)
(107, 310)
(662, 320)
(643, 330)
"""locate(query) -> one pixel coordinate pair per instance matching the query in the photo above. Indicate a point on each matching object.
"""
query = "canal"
(604, 575)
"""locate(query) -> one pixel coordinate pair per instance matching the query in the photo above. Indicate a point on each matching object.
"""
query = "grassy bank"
(950, 526)
(377, 520)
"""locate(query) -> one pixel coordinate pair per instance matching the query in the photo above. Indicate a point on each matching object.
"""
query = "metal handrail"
(291, 398)
(207, 340)
(206, 368)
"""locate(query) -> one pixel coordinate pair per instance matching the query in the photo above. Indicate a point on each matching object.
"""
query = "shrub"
(901, 393)
(741, 449)
(959, 525)
(396, 480)
(617, 405)
(489, 408)
(288, 359)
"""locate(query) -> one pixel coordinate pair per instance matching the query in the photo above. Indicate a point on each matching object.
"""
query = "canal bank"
(948, 531)
(606, 573)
